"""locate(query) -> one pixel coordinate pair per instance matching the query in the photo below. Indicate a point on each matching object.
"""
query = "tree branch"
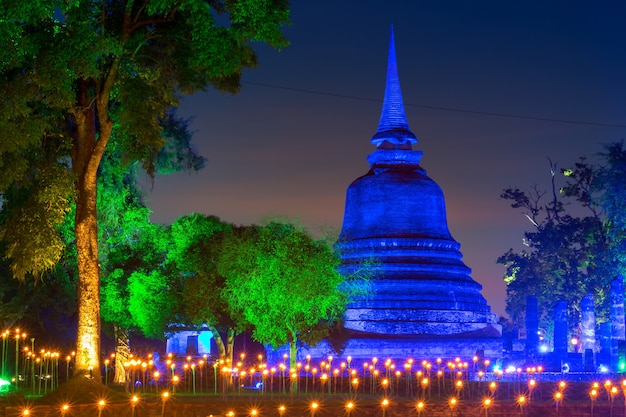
(555, 200)
(141, 9)
(136, 23)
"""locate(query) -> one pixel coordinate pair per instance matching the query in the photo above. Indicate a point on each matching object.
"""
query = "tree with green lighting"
(283, 282)
(135, 294)
(568, 256)
(74, 73)
(132, 256)
(194, 254)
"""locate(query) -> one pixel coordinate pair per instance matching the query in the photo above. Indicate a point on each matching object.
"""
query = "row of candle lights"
(261, 371)
(48, 363)
(40, 367)
(385, 379)
(457, 370)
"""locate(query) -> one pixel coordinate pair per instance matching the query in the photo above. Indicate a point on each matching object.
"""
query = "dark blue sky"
(287, 151)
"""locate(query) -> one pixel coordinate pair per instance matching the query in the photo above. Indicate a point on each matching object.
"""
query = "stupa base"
(362, 347)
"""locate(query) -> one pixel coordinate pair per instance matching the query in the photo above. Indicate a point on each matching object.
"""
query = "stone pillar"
(617, 319)
(605, 344)
(560, 334)
(588, 336)
(532, 328)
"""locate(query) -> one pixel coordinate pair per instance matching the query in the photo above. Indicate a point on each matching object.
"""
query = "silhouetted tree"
(569, 255)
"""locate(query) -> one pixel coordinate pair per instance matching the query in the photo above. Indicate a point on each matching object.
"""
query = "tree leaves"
(74, 75)
(570, 255)
(31, 218)
(148, 302)
(283, 282)
(131, 61)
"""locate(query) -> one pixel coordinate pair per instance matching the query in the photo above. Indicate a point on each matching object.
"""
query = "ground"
(82, 398)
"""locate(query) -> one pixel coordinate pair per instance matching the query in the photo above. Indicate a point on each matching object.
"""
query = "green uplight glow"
(4, 385)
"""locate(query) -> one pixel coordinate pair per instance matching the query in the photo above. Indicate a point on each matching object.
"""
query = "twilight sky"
(299, 131)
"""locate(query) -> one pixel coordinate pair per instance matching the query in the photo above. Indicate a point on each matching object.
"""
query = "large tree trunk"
(86, 157)
(88, 336)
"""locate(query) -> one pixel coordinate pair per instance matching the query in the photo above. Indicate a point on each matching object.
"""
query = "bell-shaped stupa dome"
(395, 218)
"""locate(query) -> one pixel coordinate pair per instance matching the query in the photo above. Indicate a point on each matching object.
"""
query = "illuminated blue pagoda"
(423, 300)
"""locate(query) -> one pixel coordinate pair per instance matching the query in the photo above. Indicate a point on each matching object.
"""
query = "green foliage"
(128, 242)
(47, 304)
(31, 218)
(76, 75)
(610, 184)
(282, 281)
(568, 256)
(70, 70)
(43, 307)
(191, 236)
(195, 251)
(149, 302)
(114, 298)
(177, 154)
(131, 248)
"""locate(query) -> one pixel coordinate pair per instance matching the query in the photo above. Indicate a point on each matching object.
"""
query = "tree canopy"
(194, 254)
(72, 74)
(283, 282)
(576, 245)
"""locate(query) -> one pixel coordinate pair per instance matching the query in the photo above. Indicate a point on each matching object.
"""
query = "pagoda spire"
(393, 126)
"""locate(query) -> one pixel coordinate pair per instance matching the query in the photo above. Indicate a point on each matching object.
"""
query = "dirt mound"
(82, 390)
